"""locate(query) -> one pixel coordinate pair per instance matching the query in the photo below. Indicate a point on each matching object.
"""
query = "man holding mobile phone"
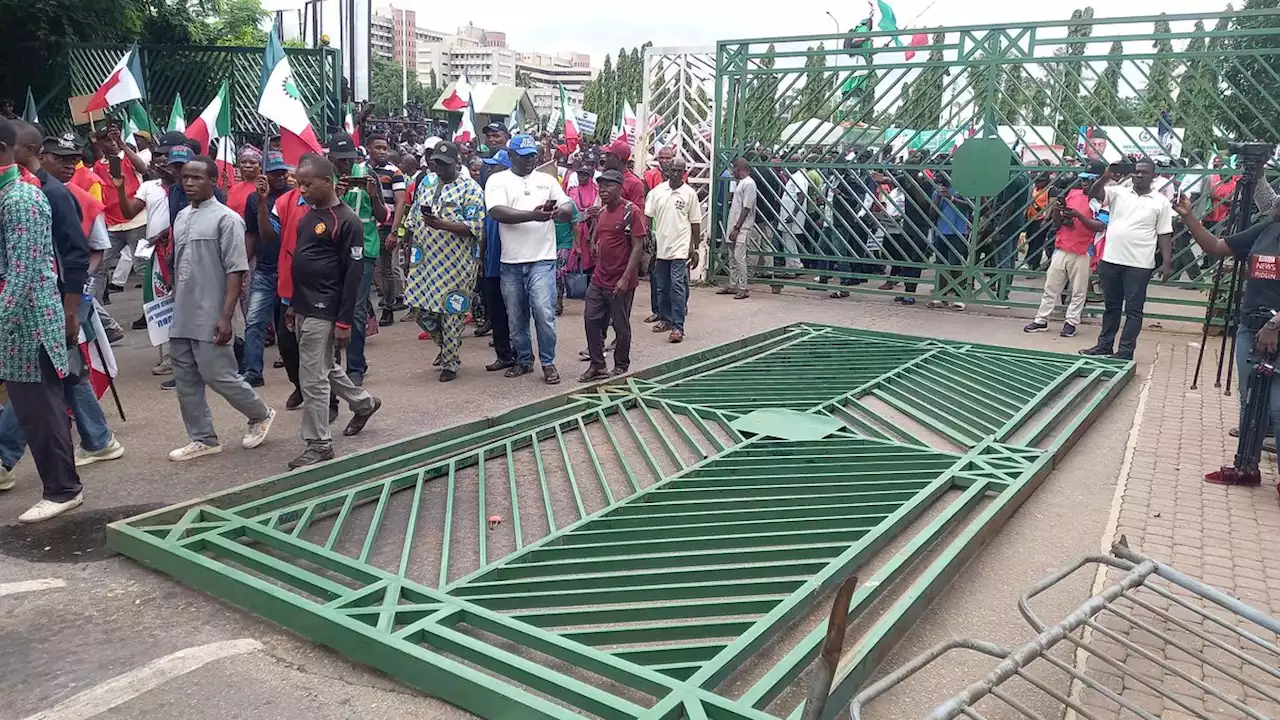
(116, 161)
(1141, 220)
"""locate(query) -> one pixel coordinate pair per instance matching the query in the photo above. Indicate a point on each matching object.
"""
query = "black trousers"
(41, 410)
(903, 248)
(1124, 291)
(496, 314)
(602, 308)
(287, 344)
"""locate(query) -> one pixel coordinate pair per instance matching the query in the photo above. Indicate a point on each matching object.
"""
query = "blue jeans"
(1245, 362)
(356, 363)
(91, 423)
(672, 280)
(262, 306)
(529, 289)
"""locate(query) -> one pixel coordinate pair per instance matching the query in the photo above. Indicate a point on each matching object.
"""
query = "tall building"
(545, 74)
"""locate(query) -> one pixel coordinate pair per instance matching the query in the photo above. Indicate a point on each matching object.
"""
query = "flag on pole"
(459, 96)
(137, 120)
(214, 122)
(225, 159)
(571, 134)
(467, 127)
(889, 21)
(178, 118)
(123, 83)
(29, 113)
(281, 102)
(349, 125)
(98, 356)
(917, 40)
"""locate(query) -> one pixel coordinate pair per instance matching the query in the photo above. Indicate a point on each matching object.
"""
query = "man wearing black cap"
(361, 191)
(496, 137)
(445, 224)
(617, 242)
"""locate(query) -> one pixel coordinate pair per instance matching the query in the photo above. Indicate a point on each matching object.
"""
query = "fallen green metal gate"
(848, 137)
(631, 550)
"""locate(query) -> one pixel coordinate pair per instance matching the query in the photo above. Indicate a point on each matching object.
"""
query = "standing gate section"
(851, 138)
(196, 72)
(661, 546)
(676, 112)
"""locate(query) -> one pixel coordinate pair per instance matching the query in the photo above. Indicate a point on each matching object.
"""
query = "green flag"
(888, 21)
(177, 118)
(139, 117)
(29, 113)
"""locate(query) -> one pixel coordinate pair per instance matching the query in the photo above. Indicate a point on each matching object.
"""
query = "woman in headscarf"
(249, 163)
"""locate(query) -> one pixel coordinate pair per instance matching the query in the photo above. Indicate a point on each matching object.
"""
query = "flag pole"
(111, 382)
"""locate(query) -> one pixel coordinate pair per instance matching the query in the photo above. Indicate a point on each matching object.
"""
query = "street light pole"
(834, 20)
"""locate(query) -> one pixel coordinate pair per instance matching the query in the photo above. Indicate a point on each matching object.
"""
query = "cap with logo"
(610, 176)
(523, 145)
(341, 147)
(619, 148)
(275, 162)
(499, 158)
(445, 152)
(66, 144)
(170, 140)
(179, 154)
(495, 127)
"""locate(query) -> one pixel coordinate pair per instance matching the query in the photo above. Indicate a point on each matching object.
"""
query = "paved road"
(113, 617)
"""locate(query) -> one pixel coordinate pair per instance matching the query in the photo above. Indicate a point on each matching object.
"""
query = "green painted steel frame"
(646, 606)
(987, 73)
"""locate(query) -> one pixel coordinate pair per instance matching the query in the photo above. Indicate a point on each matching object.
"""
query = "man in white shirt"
(741, 227)
(526, 203)
(676, 218)
(1141, 220)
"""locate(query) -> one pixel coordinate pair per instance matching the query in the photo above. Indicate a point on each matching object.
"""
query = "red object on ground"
(424, 335)
(1232, 476)
(494, 521)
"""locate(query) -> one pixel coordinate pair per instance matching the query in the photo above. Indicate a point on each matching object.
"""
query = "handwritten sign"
(159, 313)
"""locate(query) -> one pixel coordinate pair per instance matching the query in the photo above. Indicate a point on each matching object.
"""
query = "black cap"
(495, 127)
(66, 144)
(342, 147)
(445, 151)
(171, 139)
(612, 176)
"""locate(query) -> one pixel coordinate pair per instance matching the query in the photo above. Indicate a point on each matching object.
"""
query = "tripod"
(1240, 219)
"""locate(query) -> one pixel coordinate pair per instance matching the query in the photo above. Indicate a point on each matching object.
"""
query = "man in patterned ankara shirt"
(35, 334)
(445, 221)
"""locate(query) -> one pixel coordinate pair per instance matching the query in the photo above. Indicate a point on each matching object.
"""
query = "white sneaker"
(193, 451)
(257, 432)
(7, 479)
(112, 451)
(48, 509)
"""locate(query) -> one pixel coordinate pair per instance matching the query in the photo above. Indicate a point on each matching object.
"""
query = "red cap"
(620, 148)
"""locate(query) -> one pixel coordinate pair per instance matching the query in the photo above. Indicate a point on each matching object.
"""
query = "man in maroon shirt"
(616, 243)
(618, 157)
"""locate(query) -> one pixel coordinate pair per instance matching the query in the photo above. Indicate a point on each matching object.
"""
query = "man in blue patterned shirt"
(35, 334)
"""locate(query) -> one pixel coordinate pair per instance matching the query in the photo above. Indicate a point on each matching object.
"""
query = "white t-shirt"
(153, 194)
(674, 212)
(531, 241)
(1136, 220)
(98, 237)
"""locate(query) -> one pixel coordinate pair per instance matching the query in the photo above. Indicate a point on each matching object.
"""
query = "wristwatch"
(1273, 324)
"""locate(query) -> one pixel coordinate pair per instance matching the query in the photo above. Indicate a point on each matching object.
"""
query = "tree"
(922, 108)
(523, 80)
(386, 79)
(819, 87)
(1197, 106)
(1251, 78)
(1104, 101)
(1158, 94)
(1066, 77)
(762, 122)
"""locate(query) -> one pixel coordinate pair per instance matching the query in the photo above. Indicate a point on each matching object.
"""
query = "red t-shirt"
(633, 189)
(1076, 238)
(613, 246)
(90, 207)
(238, 196)
(289, 209)
(109, 197)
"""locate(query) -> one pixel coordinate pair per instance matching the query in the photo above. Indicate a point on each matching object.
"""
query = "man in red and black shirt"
(616, 245)
(326, 267)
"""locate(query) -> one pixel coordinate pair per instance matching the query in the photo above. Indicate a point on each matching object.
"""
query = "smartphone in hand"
(113, 163)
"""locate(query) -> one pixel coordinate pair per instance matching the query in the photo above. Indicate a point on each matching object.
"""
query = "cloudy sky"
(598, 28)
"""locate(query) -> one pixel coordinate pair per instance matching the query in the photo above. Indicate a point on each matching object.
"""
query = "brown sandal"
(676, 336)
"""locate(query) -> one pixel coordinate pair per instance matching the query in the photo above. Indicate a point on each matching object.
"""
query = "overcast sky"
(598, 29)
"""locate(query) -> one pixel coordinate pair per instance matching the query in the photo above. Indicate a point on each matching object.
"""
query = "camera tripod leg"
(1228, 337)
(1208, 320)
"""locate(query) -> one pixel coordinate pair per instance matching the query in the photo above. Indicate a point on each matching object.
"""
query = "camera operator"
(1259, 330)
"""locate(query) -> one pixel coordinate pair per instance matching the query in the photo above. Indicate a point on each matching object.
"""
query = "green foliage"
(1067, 82)
(761, 119)
(1104, 102)
(921, 106)
(1197, 108)
(385, 88)
(614, 86)
(1251, 80)
(1157, 96)
(818, 93)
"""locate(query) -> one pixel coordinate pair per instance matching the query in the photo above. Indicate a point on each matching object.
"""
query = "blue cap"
(275, 162)
(179, 155)
(499, 158)
(523, 144)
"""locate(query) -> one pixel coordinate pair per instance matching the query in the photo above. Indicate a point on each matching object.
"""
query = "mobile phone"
(113, 163)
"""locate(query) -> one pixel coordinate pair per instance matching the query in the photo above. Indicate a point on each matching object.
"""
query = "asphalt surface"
(114, 616)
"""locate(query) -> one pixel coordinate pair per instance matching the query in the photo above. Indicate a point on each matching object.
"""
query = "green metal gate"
(659, 546)
(196, 73)
(848, 137)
